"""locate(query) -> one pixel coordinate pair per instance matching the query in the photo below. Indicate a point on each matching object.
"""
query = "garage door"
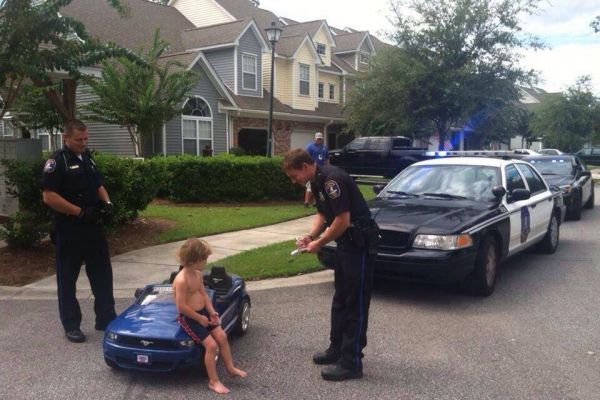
(301, 139)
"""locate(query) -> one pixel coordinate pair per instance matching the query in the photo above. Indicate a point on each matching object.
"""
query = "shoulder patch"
(49, 166)
(332, 189)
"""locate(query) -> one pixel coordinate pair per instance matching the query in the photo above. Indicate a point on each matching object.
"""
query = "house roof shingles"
(348, 41)
(213, 35)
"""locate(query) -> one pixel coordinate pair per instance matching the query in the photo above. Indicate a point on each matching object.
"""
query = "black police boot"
(339, 373)
(75, 335)
(328, 356)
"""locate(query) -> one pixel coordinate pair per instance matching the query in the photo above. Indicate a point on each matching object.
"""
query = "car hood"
(558, 180)
(154, 320)
(429, 215)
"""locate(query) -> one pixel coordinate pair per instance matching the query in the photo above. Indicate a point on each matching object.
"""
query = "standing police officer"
(343, 216)
(73, 188)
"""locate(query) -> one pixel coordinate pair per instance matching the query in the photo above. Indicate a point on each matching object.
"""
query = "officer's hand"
(107, 209)
(313, 247)
(89, 215)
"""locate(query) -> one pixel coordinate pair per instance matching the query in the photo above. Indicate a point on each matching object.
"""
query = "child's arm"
(180, 288)
(214, 315)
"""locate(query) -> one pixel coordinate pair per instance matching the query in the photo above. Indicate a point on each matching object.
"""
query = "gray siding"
(103, 137)
(1, 128)
(366, 48)
(209, 93)
(222, 63)
(250, 44)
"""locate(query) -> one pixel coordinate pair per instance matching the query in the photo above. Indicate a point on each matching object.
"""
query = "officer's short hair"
(193, 250)
(294, 159)
(74, 125)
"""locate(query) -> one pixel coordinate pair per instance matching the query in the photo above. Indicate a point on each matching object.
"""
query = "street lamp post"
(273, 34)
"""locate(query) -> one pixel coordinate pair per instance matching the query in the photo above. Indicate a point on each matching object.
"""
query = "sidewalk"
(154, 264)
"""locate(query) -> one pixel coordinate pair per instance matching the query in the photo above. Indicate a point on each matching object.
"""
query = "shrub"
(24, 229)
(237, 151)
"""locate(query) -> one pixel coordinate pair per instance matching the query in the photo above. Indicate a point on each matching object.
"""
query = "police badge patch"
(332, 189)
(50, 165)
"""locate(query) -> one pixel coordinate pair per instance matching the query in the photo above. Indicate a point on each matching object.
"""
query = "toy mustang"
(147, 336)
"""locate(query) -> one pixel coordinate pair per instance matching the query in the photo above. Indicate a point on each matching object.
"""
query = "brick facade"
(282, 130)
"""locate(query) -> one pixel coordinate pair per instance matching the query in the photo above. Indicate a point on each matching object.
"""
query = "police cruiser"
(454, 219)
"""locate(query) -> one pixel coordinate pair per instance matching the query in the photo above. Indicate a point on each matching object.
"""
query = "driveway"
(536, 337)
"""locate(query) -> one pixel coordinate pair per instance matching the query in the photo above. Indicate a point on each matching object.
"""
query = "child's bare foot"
(218, 387)
(237, 372)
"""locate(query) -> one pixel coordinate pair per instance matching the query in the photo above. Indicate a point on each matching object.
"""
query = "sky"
(564, 25)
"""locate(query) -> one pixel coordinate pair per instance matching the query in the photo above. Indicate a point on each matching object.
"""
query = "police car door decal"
(525, 223)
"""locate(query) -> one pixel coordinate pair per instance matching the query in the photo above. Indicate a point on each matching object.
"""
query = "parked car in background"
(589, 155)
(454, 219)
(550, 152)
(529, 152)
(377, 155)
(571, 175)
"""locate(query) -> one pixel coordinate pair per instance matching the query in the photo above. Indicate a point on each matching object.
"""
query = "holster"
(365, 234)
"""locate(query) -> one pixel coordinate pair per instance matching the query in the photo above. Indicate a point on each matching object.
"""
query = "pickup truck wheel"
(549, 244)
(590, 203)
(482, 280)
(574, 212)
(243, 321)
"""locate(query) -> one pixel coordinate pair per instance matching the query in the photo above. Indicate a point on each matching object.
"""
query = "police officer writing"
(73, 188)
(343, 216)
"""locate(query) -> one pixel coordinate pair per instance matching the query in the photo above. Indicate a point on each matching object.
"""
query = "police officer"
(343, 216)
(73, 188)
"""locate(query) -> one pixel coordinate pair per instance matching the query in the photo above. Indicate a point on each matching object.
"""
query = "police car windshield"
(473, 182)
(550, 166)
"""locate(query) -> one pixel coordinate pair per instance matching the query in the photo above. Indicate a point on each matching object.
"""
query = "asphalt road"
(537, 337)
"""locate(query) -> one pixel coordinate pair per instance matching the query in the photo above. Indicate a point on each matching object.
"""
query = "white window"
(365, 57)
(331, 92)
(321, 89)
(304, 79)
(249, 72)
(8, 130)
(321, 49)
(196, 126)
(48, 143)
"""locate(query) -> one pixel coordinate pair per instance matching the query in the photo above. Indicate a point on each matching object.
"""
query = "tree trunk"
(135, 140)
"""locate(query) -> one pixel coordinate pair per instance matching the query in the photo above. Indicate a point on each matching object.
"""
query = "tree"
(568, 121)
(37, 42)
(447, 66)
(141, 97)
(596, 24)
(255, 3)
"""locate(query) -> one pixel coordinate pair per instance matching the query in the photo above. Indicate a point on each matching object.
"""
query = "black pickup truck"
(377, 155)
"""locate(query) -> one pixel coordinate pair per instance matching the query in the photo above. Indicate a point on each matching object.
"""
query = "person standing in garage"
(343, 216)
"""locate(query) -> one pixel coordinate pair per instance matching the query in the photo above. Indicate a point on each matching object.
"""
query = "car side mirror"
(378, 188)
(519, 194)
(498, 192)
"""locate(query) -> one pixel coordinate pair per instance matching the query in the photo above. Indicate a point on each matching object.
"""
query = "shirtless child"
(197, 315)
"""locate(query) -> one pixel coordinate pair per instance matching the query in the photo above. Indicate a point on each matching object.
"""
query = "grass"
(203, 220)
(270, 262)
(367, 191)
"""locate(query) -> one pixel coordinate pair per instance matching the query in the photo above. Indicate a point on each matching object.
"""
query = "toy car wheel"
(243, 321)
(111, 363)
(590, 203)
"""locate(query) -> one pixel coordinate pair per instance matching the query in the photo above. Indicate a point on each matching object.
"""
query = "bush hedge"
(133, 183)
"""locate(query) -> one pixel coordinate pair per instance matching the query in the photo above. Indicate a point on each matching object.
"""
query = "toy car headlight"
(187, 343)
(112, 336)
(443, 242)
(566, 188)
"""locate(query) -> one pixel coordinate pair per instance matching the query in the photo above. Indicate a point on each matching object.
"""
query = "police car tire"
(590, 203)
(243, 321)
(575, 212)
(546, 245)
(477, 282)
(111, 363)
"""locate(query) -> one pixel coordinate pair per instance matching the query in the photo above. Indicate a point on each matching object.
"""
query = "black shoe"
(339, 373)
(326, 357)
(75, 335)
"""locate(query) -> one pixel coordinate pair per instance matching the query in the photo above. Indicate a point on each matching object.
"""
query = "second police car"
(454, 219)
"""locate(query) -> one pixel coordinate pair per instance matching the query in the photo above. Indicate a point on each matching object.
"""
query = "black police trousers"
(350, 306)
(75, 244)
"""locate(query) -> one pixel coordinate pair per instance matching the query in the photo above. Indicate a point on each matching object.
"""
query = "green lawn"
(270, 262)
(203, 220)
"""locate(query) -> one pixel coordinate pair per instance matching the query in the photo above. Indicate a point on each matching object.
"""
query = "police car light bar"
(477, 153)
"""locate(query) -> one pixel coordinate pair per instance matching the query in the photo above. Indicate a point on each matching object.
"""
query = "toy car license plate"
(142, 359)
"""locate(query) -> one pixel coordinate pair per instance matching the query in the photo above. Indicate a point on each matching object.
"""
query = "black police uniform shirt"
(337, 193)
(75, 179)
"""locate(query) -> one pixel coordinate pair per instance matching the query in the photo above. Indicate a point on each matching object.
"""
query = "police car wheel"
(111, 363)
(590, 203)
(482, 280)
(549, 244)
(243, 322)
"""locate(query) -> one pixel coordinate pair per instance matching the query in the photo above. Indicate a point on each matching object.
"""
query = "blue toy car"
(147, 336)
